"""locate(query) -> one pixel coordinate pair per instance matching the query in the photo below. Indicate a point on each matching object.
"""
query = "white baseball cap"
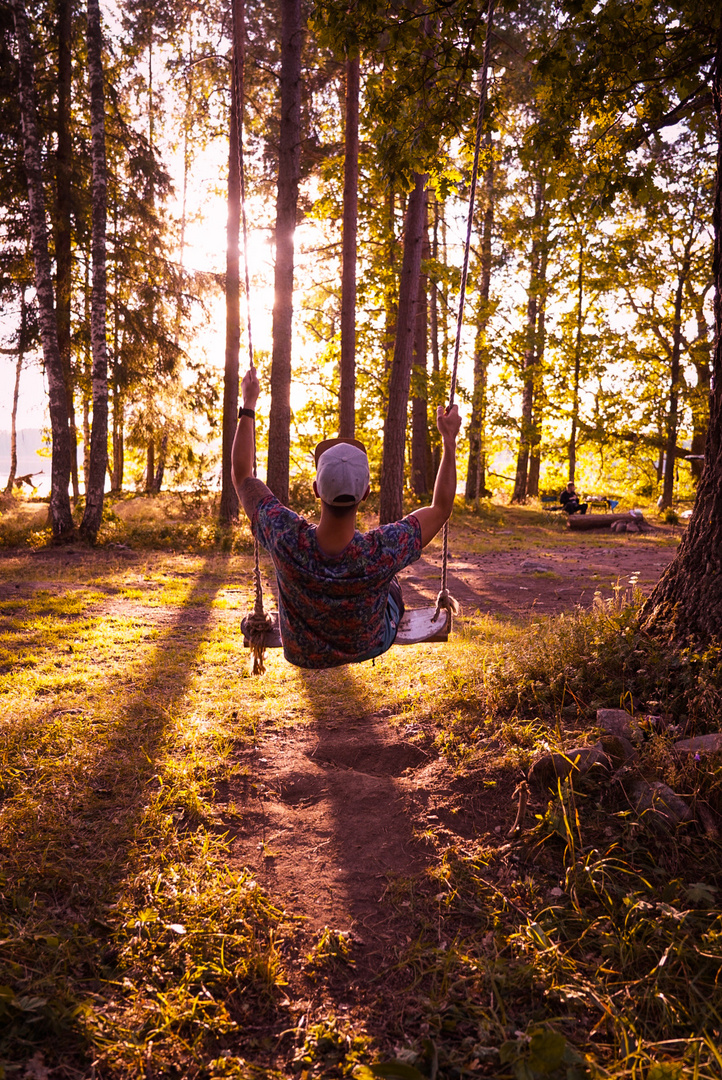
(342, 471)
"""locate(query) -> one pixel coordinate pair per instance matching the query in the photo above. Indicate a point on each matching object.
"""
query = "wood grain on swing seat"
(417, 626)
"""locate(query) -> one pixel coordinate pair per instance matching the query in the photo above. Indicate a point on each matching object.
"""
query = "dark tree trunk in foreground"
(347, 393)
(391, 504)
(63, 205)
(99, 437)
(670, 464)
(532, 484)
(229, 499)
(289, 154)
(476, 467)
(687, 602)
(16, 393)
(60, 512)
(420, 443)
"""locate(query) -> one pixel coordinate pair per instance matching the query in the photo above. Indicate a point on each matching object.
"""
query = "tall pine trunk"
(476, 468)
(289, 157)
(532, 486)
(60, 512)
(229, 499)
(347, 393)
(687, 602)
(674, 384)
(99, 436)
(577, 366)
(420, 442)
(391, 502)
(527, 396)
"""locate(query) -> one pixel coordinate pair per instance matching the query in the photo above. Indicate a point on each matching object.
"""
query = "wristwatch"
(247, 412)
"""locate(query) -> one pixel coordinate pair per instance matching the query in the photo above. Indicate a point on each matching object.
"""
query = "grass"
(133, 944)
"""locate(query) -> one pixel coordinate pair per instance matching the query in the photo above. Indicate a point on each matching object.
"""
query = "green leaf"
(396, 1070)
(546, 1051)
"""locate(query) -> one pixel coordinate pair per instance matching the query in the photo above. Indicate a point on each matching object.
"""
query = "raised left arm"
(242, 452)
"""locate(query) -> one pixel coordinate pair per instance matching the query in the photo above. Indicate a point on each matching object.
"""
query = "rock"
(619, 722)
(632, 527)
(529, 566)
(579, 761)
(618, 749)
(618, 527)
(708, 820)
(659, 804)
(700, 744)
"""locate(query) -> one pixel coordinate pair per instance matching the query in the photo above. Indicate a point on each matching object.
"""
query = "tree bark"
(420, 443)
(22, 336)
(150, 467)
(476, 467)
(95, 493)
(687, 602)
(434, 333)
(60, 512)
(392, 469)
(347, 393)
(229, 499)
(289, 155)
(391, 307)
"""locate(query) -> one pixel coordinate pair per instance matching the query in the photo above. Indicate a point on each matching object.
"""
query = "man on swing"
(339, 601)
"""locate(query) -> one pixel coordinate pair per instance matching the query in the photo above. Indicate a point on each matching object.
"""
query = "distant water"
(30, 440)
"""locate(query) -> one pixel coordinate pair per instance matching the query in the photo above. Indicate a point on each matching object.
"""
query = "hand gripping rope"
(445, 601)
(259, 622)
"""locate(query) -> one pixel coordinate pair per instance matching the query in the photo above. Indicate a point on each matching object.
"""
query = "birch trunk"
(391, 504)
(229, 499)
(289, 155)
(420, 443)
(60, 512)
(98, 302)
(347, 392)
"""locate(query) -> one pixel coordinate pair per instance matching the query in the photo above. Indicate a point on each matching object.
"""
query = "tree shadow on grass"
(65, 860)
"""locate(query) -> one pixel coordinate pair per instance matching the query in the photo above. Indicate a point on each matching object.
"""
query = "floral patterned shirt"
(331, 607)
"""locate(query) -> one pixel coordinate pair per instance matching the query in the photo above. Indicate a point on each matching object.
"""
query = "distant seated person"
(570, 500)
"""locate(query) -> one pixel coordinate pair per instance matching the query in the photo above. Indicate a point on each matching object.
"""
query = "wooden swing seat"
(416, 628)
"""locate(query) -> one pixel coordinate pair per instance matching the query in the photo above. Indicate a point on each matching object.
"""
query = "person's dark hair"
(341, 510)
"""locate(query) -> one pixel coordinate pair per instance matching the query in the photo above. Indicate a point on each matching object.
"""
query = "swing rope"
(445, 601)
(259, 623)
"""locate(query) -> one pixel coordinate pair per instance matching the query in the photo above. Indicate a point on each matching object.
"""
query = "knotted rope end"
(445, 602)
(257, 625)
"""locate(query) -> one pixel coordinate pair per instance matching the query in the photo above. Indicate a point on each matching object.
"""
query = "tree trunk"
(434, 332)
(347, 394)
(420, 443)
(22, 335)
(700, 397)
(577, 366)
(687, 602)
(674, 382)
(60, 512)
(532, 486)
(391, 307)
(391, 503)
(160, 467)
(63, 206)
(150, 467)
(229, 499)
(99, 436)
(289, 154)
(476, 467)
